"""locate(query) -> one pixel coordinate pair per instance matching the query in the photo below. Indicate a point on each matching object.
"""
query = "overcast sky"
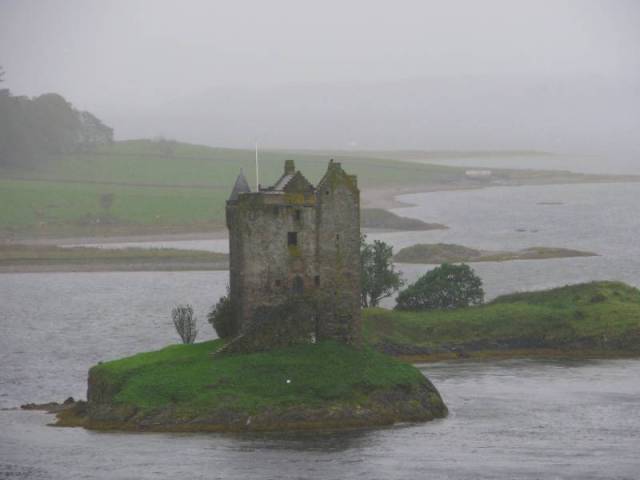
(130, 61)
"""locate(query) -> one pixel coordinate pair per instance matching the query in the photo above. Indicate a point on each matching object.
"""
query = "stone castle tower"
(296, 242)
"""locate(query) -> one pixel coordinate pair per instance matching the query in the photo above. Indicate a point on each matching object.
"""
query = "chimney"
(289, 167)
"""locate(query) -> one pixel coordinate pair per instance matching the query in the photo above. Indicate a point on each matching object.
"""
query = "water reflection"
(321, 442)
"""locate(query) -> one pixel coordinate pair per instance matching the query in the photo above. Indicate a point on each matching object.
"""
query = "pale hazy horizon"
(554, 76)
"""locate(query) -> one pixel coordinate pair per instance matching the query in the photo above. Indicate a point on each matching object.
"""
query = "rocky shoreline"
(407, 404)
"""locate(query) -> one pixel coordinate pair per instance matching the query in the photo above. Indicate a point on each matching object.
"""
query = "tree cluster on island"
(446, 286)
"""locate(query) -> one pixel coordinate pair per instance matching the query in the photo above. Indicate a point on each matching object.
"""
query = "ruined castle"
(293, 242)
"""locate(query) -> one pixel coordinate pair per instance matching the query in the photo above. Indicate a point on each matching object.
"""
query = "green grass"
(144, 162)
(40, 204)
(188, 377)
(156, 190)
(599, 314)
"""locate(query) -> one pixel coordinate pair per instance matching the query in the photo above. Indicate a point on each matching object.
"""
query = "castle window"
(278, 283)
(298, 215)
(292, 239)
(337, 236)
(316, 280)
(298, 285)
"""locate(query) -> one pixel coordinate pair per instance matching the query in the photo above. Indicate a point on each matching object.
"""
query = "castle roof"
(291, 180)
(241, 186)
(282, 182)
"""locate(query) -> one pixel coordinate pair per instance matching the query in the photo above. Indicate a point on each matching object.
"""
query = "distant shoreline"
(106, 267)
(50, 259)
(376, 198)
(46, 258)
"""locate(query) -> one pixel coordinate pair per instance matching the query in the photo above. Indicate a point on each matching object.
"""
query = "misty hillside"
(592, 114)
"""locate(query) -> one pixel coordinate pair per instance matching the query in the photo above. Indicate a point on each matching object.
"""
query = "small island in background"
(51, 258)
(379, 218)
(436, 253)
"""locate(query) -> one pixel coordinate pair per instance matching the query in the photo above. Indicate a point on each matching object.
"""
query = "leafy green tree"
(33, 130)
(221, 317)
(447, 286)
(93, 132)
(378, 275)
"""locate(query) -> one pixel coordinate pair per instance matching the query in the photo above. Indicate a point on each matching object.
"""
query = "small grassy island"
(46, 258)
(597, 319)
(436, 253)
(304, 387)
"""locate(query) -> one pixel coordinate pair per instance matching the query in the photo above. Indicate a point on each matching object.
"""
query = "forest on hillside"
(34, 129)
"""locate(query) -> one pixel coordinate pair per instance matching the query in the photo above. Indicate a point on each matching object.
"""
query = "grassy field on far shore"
(143, 186)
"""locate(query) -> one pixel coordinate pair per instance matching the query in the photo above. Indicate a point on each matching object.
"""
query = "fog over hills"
(579, 114)
(368, 74)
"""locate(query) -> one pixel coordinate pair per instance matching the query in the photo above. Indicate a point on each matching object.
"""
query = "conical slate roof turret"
(241, 186)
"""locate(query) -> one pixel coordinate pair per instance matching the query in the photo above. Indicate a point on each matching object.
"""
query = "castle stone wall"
(338, 230)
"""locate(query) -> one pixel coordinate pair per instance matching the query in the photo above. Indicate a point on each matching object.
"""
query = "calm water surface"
(510, 419)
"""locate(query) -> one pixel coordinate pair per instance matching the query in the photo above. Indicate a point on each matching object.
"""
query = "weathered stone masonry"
(296, 242)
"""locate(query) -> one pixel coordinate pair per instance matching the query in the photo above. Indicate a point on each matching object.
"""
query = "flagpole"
(257, 171)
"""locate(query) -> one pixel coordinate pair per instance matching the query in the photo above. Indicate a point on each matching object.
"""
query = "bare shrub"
(185, 323)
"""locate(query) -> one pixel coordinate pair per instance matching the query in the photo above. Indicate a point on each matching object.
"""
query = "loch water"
(512, 419)
(521, 419)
